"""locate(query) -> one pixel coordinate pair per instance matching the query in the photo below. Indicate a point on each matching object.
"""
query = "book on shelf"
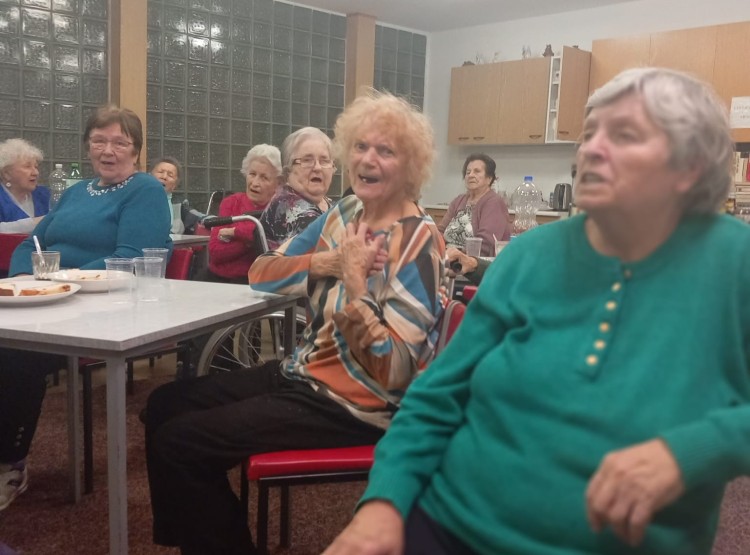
(741, 167)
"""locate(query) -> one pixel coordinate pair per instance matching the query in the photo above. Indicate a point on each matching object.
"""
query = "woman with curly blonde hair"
(370, 267)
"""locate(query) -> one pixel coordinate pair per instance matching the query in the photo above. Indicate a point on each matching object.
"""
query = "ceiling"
(442, 15)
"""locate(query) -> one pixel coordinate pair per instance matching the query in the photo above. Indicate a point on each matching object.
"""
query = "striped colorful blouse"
(362, 352)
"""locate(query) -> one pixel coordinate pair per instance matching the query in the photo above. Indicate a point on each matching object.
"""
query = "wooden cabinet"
(611, 56)
(568, 94)
(474, 98)
(731, 72)
(522, 107)
(507, 103)
(717, 54)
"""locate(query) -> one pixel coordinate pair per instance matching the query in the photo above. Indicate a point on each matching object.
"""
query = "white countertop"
(550, 213)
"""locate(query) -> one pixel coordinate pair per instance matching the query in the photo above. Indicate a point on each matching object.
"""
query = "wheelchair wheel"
(246, 344)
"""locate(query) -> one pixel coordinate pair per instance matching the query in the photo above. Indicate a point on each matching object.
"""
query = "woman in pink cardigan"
(480, 212)
(231, 249)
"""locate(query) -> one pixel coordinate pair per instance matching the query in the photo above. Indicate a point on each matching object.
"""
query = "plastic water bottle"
(56, 184)
(526, 200)
(75, 174)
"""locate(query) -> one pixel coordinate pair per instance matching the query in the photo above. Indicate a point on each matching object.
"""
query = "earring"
(8, 184)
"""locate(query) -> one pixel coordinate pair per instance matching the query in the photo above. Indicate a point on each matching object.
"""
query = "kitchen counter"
(437, 211)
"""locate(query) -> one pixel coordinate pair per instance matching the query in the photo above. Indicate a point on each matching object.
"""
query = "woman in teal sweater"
(595, 400)
(116, 214)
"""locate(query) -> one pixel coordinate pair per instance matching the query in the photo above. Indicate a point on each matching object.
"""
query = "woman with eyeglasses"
(307, 161)
(116, 214)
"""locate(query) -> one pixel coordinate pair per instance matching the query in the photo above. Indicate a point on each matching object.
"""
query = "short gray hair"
(291, 144)
(269, 153)
(13, 151)
(695, 121)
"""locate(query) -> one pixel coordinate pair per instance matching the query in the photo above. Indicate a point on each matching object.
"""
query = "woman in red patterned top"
(231, 250)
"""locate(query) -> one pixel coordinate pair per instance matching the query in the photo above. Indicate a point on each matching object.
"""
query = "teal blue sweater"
(89, 225)
(563, 356)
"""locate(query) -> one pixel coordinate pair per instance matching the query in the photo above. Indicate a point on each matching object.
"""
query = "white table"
(91, 325)
(189, 240)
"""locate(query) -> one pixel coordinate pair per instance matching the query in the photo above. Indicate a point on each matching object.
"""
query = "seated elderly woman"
(372, 267)
(480, 212)
(585, 406)
(308, 169)
(116, 214)
(232, 248)
(22, 202)
(168, 171)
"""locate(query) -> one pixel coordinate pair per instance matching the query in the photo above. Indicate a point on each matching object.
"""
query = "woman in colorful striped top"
(371, 267)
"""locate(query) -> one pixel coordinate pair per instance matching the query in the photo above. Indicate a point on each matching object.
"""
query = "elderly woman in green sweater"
(589, 404)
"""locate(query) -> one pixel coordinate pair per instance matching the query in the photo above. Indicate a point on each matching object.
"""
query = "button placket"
(602, 338)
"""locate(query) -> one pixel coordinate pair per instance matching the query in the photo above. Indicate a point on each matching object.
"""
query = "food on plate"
(55, 289)
(7, 289)
(95, 276)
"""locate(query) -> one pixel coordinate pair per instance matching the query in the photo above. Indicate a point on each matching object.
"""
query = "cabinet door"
(522, 111)
(731, 74)
(611, 56)
(690, 50)
(574, 91)
(472, 116)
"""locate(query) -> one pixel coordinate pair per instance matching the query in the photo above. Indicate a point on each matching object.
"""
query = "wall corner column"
(360, 55)
(129, 59)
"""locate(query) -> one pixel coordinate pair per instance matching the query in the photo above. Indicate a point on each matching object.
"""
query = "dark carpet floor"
(43, 522)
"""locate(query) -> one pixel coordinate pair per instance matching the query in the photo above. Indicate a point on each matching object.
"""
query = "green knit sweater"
(563, 356)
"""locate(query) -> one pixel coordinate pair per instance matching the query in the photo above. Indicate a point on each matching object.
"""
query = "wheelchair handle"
(213, 221)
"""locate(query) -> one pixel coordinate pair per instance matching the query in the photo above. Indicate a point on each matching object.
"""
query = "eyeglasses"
(309, 162)
(119, 145)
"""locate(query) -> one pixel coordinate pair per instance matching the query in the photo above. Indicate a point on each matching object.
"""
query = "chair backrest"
(451, 318)
(8, 243)
(180, 264)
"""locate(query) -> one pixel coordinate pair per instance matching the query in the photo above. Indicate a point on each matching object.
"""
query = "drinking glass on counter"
(120, 279)
(158, 253)
(473, 246)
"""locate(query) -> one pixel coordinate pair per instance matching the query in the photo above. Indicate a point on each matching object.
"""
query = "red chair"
(314, 466)
(8, 243)
(468, 292)
(179, 267)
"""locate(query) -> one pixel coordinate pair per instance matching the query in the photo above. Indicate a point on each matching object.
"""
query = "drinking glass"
(473, 246)
(149, 283)
(120, 279)
(158, 253)
(45, 263)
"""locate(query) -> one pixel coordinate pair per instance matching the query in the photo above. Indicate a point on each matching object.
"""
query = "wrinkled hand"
(381, 257)
(376, 529)
(468, 263)
(358, 258)
(630, 486)
(226, 234)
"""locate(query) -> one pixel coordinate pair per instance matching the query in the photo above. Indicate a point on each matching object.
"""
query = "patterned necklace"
(103, 191)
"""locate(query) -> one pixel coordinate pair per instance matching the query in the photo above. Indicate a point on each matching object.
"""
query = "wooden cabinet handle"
(535, 136)
(463, 138)
(562, 132)
(478, 138)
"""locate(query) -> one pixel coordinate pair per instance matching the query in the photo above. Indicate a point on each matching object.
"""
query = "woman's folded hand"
(376, 529)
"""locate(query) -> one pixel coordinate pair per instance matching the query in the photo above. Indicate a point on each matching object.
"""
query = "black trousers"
(424, 536)
(198, 429)
(22, 388)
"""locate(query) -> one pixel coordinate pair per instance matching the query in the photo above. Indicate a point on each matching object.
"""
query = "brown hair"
(129, 122)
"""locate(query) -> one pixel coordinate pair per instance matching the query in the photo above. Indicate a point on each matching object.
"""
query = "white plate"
(36, 299)
(92, 281)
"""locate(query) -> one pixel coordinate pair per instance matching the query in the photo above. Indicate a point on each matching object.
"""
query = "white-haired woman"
(307, 155)
(22, 202)
(596, 399)
(231, 250)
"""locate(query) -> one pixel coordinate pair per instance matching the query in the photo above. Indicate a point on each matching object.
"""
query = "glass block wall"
(400, 62)
(224, 75)
(53, 73)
